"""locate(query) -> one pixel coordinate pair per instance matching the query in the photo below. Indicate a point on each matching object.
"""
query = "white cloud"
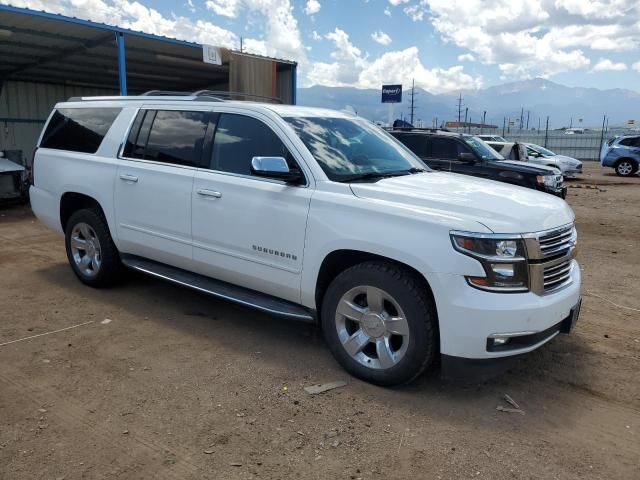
(191, 6)
(403, 65)
(395, 3)
(606, 65)
(227, 8)
(387, 11)
(351, 68)
(636, 66)
(316, 36)
(415, 12)
(526, 38)
(381, 37)
(312, 7)
(466, 57)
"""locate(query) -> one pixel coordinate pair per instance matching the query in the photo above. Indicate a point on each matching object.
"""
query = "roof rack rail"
(420, 129)
(176, 93)
(233, 95)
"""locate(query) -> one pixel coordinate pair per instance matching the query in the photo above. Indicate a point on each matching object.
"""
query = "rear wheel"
(92, 254)
(379, 323)
(626, 167)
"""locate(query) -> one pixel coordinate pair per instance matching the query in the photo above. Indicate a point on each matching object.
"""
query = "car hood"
(500, 207)
(532, 168)
(564, 160)
(7, 165)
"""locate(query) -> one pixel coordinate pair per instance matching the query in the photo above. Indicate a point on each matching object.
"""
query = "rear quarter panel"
(59, 171)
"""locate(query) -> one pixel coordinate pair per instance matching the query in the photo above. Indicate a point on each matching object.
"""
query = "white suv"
(310, 214)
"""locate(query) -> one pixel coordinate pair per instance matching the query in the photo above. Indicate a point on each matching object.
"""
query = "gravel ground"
(167, 383)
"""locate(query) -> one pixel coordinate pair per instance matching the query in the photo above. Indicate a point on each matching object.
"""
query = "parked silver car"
(569, 166)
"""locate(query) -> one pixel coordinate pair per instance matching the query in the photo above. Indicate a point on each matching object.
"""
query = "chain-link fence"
(583, 146)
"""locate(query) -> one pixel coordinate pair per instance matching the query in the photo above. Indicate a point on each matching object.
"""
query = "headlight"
(547, 180)
(503, 259)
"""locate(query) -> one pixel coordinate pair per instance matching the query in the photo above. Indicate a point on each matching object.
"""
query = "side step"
(217, 288)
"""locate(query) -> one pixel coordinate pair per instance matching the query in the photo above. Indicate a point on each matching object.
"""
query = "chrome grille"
(556, 241)
(557, 276)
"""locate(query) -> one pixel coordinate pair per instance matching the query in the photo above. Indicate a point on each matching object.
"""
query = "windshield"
(542, 150)
(347, 148)
(481, 148)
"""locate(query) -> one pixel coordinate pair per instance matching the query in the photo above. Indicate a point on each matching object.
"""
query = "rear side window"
(168, 136)
(631, 142)
(416, 143)
(78, 129)
(239, 138)
(445, 148)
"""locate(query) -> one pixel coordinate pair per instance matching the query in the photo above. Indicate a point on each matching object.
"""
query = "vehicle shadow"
(299, 351)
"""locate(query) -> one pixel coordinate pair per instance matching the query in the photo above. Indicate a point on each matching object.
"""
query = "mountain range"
(536, 98)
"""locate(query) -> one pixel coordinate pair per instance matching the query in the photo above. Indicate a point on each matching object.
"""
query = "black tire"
(416, 304)
(626, 167)
(110, 268)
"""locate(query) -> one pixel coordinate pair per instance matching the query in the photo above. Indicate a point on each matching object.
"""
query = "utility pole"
(546, 133)
(412, 94)
(484, 121)
(571, 122)
(504, 121)
(521, 117)
(460, 108)
(241, 45)
(604, 119)
(538, 124)
(528, 112)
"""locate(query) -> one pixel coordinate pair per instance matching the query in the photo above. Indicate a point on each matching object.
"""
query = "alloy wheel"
(372, 327)
(85, 249)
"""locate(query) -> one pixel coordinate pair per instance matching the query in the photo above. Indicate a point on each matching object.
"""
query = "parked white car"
(570, 167)
(314, 215)
(13, 180)
(491, 138)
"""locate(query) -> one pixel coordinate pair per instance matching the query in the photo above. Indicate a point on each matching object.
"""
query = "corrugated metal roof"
(104, 26)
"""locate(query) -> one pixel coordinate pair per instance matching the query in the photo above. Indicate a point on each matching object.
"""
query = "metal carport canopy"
(43, 47)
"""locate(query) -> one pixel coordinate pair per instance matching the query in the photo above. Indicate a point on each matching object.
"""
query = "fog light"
(505, 270)
(499, 341)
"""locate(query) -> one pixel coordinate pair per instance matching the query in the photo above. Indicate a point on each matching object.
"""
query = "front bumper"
(469, 317)
(478, 370)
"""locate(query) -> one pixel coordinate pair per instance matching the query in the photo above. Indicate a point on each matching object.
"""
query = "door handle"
(128, 178)
(209, 193)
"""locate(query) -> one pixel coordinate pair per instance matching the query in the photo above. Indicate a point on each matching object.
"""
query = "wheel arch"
(340, 260)
(71, 202)
(630, 159)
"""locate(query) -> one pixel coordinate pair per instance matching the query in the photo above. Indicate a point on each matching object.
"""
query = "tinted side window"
(416, 143)
(175, 137)
(631, 142)
(444, 148)
(78, 129)
(137, 139)
(239, 138)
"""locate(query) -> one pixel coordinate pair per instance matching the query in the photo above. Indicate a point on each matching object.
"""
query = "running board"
(219, 289)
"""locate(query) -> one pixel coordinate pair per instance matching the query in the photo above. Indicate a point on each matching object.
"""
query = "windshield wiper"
(379, 175)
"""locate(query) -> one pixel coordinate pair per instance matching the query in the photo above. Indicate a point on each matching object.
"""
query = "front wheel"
(92, 254)
(380, 323)
(624, 168)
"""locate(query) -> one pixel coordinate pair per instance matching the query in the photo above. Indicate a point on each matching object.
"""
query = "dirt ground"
(180, 385)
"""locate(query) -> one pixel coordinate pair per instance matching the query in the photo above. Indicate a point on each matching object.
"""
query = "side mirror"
(467, 157)
(276, 168)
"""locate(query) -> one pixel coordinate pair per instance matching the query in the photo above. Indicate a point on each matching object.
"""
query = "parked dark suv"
(467, 154)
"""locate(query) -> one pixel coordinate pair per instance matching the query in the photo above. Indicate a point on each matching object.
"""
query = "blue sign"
(391, 93)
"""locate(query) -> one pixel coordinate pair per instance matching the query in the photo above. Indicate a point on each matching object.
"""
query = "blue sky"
(444, 44)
